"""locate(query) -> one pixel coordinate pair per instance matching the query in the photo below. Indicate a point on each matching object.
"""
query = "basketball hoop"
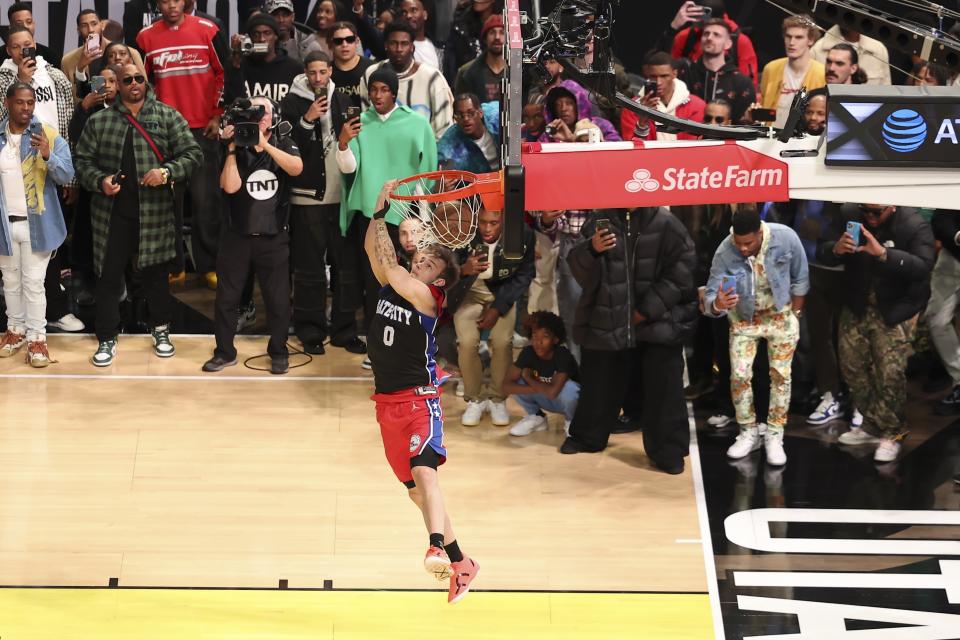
(445, 205)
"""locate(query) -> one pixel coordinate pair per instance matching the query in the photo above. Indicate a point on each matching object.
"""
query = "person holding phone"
(316, 112)
(759, 278)
(639, 304)
(886, 284)
(671, 97)
(33, 161)
(54, 99)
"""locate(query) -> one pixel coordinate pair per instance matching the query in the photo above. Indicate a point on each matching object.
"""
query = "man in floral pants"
(759, 278)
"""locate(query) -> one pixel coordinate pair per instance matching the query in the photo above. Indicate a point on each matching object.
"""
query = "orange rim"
(476, 184)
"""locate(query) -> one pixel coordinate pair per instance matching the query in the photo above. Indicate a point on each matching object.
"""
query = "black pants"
(823, 317)
(655, 373)
(123, 246)
(206, 203)
(58, 299)
(269, 257)
(315, 239)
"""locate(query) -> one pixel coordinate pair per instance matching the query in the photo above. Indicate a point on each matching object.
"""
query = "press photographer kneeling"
(255, 177)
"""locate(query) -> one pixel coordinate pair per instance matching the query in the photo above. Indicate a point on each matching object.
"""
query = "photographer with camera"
(265, 69)
(128, 158)
(256, 179)
(316, 110)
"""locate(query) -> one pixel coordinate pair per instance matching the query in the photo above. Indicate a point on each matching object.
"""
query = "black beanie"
(385, 74)
(258, 19)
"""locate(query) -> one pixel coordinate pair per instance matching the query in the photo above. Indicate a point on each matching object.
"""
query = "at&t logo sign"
(641, 182)
(904, 130)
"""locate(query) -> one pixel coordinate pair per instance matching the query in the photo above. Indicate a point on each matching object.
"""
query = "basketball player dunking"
(401, 346)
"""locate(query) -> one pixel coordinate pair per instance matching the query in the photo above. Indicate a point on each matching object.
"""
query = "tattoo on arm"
(385, 251)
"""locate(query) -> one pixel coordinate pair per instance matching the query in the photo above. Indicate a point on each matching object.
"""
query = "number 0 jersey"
(401, 344)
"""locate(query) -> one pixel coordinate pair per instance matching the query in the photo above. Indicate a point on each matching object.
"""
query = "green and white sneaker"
(161, 341)
(105, 354)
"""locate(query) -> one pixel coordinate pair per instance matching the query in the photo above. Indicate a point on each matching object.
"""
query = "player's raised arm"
(383, 259)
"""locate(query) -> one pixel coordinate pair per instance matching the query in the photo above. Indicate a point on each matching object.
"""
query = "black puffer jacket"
(902, 283)
(651, 270)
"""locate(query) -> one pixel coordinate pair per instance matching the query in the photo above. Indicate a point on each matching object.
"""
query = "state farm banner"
(612, 175)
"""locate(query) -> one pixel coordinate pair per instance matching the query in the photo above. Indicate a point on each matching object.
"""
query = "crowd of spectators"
(110, 152)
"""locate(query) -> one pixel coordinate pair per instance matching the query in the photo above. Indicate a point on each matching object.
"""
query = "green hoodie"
(401, 146)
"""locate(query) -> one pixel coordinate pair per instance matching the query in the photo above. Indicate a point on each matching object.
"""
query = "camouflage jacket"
(99, 154)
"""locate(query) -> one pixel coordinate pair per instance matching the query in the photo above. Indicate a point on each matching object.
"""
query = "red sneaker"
(463, 574)
(437, 563)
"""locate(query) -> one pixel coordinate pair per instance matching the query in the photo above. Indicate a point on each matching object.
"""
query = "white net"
(452, 223)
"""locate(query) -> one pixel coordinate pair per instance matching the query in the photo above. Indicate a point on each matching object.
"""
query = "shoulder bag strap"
(146, 136)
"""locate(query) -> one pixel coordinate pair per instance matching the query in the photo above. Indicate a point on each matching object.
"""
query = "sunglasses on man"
(712, 119)
(348, 39)
(129, 80)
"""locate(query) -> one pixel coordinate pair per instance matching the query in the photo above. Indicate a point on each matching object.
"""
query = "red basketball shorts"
(409, 423)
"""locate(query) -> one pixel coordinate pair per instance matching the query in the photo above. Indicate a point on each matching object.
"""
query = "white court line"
(708, 560)
(254, 378)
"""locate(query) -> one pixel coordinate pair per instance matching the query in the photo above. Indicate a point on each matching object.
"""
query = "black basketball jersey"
(401, 344)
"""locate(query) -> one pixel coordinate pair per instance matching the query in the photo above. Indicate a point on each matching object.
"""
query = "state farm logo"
(679, 179)
(641, 182)
(176, 57)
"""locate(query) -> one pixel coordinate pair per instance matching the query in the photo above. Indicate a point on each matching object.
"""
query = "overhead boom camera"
(245, 118)
(249, 47)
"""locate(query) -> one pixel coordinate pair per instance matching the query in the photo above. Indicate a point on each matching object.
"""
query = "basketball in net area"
(444, 205)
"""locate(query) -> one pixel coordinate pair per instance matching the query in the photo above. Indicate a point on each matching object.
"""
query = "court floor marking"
(211, 377)
(702, 516)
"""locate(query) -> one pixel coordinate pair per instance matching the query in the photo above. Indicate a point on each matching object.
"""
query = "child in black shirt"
(544, 377)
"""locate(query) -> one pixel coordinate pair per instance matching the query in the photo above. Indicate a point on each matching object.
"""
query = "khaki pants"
(477, 300)
(543, 288)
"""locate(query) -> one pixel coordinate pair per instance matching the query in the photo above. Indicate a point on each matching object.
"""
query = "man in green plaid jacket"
(130, 170)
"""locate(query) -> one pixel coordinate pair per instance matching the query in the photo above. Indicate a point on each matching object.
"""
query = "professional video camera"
(245, 118)
(249, 47)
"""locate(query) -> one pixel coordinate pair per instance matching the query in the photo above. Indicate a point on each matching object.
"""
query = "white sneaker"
(826, 411)
(566, 430)
(857, 436)
(68, 322)
(773, 443)
(460, 388)
(528, 425)
(498, 413)
(887, 451)
(472, 414)
(857, 419)
(746, 443)
(719, 420)
(519, 341)
(366, 364)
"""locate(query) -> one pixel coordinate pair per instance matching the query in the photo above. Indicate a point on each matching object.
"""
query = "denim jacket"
(47, 228)
(786, 267)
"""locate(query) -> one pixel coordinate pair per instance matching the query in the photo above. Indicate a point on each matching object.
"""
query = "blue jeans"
(565, 403)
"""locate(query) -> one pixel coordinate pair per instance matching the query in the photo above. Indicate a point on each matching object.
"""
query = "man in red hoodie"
(181, 61)
(671, 97)
(686, 39)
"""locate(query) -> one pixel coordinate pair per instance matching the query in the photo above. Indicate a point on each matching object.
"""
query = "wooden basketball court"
(162, 477)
